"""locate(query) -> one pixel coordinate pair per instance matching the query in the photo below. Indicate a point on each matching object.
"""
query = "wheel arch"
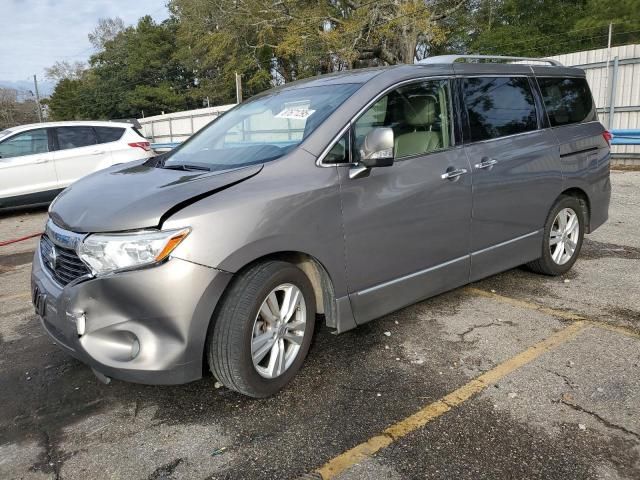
(585, 202)
(316, 273)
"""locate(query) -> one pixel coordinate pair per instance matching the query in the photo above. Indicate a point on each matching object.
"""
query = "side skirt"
(390, 296)
(506, 255)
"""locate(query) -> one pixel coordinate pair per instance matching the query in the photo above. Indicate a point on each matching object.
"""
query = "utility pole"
(35, 82)
(238, 88)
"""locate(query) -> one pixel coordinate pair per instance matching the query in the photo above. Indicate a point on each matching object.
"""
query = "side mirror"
(377, 148)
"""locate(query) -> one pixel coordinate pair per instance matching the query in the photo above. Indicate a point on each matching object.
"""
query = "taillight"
(607, 136)
(146, 146)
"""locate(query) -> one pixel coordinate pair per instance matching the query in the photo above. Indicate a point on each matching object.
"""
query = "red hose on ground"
(15, 240)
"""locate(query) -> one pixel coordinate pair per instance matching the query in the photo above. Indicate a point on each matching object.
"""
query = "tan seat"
(420, 114)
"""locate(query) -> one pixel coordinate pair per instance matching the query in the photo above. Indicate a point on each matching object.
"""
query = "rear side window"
(108, 134)
(567, 100)
(499, 106)
(75, 137)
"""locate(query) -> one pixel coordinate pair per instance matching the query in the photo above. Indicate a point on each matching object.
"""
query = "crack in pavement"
(50, 464)
(496, 323)
(578, 408)
(566, 379)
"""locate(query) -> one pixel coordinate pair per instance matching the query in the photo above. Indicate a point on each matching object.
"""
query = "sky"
(34, 34)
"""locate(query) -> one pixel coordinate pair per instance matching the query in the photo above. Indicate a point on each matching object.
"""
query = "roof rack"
(455, 58)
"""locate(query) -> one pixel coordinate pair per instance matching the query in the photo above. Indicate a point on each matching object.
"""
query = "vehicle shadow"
(19, 211)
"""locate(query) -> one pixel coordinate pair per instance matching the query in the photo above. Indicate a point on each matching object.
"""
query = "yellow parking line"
(524, 304)
(14, 296)
(552, 311)
(346, 460)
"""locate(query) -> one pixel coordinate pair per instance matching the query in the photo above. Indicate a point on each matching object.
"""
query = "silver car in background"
(342, 197)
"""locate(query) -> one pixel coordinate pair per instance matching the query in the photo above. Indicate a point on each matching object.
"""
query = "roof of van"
(363, 75)
(78, 123)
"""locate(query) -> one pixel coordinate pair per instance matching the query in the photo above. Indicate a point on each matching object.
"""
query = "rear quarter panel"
(585, 160)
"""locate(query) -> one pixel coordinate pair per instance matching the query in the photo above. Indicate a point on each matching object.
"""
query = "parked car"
(349, 195)
(38, 161)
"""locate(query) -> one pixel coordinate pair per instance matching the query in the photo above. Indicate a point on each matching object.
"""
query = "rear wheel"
(563, 235)
(263, 329)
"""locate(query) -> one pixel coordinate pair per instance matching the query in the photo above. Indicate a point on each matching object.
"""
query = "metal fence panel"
(177, 127)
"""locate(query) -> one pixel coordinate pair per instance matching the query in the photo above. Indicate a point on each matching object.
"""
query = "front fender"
(292, 205)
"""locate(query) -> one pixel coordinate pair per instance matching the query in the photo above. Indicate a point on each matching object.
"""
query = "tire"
(552, 262)
(241, 319)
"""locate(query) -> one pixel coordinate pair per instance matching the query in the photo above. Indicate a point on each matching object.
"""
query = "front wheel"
(263, 329)
(563, 235)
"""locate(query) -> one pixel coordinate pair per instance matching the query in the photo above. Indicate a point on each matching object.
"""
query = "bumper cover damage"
(144, 326)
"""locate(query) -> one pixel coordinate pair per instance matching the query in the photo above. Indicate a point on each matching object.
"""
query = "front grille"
(63, 264)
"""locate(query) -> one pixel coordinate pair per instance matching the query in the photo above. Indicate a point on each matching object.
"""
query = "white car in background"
(38, 161)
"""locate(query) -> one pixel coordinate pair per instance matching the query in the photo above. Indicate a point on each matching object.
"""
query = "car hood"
(137, 195)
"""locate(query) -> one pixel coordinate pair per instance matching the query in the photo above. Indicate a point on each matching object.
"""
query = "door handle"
(453, 174)
(486, 163)
(97, 152)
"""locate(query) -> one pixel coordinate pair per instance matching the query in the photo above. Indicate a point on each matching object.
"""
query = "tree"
(65, 70)
(505, 27)
(273, 42)
(64, 101)
(106, 30)
(14, 112)
(137, 65)
(623, 14)
(197, 52)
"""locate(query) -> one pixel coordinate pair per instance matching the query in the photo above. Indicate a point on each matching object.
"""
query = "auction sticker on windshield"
(296, 113)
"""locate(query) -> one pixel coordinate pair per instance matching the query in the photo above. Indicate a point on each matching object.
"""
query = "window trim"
(356, 117)
(467, 126)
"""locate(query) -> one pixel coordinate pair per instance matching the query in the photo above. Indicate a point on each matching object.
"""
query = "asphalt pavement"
(516, 376)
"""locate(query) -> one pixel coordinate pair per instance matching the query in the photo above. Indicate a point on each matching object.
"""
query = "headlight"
(111, 252)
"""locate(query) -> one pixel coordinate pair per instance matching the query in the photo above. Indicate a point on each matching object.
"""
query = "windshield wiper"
(186, 167)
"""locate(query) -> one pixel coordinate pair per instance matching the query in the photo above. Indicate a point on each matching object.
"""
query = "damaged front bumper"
(144, 326)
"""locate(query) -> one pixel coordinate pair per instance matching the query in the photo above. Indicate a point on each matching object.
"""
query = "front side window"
(75, 137)
(499, 106)
(340, 152)
(419, 114)
(261, 129)
(567, 100)
(27, 143)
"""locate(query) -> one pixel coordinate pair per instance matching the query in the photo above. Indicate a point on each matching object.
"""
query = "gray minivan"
(348, 195)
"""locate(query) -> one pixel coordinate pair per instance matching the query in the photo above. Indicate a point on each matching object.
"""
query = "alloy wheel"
(278, 330)
(564, 235)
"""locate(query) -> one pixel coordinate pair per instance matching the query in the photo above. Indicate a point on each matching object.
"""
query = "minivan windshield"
(260, 130)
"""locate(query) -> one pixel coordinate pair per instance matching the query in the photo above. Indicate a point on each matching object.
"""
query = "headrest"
(421, 111)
